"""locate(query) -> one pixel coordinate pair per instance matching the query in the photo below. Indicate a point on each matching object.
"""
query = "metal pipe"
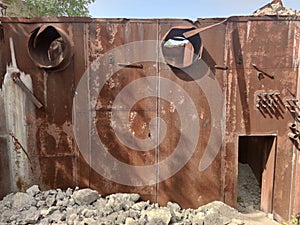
(293, 136)
(277, 94)
(290, 108)
(192, 33)
(292, 125)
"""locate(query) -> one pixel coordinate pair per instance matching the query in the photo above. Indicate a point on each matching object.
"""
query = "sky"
(191, 9)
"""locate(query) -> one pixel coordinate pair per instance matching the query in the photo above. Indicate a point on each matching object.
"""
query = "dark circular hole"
(50, 48)
(179, 51)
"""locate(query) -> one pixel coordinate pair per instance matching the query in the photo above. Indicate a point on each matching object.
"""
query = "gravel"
(88, 207)
(248, 190)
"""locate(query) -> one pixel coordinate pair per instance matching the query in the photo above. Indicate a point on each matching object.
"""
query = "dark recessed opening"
(50, 47)
(179, 51)
(255, 173)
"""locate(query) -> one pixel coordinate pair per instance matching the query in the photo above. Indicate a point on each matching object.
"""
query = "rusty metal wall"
(241, 56)
(272, 46)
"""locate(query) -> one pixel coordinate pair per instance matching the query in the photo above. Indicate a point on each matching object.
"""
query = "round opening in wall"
(179, 51)
(50, 48)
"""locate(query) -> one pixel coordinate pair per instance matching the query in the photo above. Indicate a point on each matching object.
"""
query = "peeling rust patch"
(18, 146)
(241, 54)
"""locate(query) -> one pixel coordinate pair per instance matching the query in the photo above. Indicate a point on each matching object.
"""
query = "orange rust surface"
(267, 42)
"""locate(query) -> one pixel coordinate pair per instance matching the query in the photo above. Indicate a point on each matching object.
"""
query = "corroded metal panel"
(108, 37)
(101, 80)
(253, 46)
(50, 143)
(203, 186)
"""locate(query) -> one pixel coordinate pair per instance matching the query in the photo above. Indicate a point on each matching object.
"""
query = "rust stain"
(18, 146)
(248, 56)
(21, 184)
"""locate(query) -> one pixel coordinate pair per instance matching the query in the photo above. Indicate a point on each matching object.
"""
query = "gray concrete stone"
(85, 196)
(159, 216)
(140, 205)
(57, 216)
(69, 192)
(31, 216)
(33, 190)
(50, 200)
(60, 195)
(22, 200)
(52, 208)
(131, 221)
(3, 130)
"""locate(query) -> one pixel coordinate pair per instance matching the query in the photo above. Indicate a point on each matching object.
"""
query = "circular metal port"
(50, 47)
(179, 51)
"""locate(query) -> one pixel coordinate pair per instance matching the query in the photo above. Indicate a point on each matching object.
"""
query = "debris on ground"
(275, 8)
(87, 207)
(248, 190)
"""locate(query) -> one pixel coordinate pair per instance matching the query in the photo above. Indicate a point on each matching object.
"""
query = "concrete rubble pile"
(276, 8)
(87, 207)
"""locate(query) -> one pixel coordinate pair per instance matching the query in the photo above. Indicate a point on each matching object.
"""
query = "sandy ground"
(248, 190)
(249, 198)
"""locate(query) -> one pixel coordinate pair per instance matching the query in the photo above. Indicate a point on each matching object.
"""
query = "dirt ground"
(249, 193)
(248, 190)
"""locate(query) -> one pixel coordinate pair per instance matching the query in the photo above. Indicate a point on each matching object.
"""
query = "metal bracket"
(220, 67)
(19, 82)
(137, 66)
(261, 73)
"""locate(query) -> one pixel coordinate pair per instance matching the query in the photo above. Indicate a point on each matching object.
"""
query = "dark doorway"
(256, 165)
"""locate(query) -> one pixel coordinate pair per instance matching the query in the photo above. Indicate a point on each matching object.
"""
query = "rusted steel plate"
(104, 37)
(297, 185)
(188, 190)
(275, 56)
(228, 75)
